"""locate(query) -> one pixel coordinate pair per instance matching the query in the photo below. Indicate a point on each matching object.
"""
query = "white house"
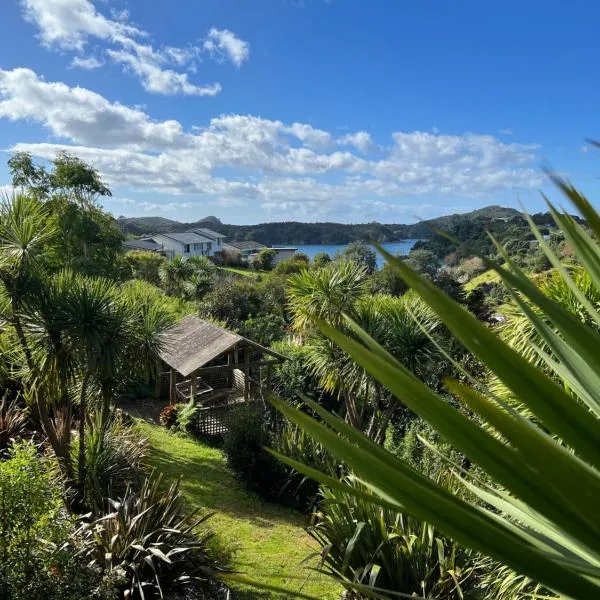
(184, 244)
(216, 237)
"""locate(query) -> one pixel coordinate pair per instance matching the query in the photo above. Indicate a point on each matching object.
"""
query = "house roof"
(187, 237)
(193, 343)
(209, 233)
(246, 245)
(145, 244)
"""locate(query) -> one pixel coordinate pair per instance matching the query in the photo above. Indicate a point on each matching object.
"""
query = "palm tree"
(26, 232)
(173, 273)
(403, 325)
(198, 285)
(325, 294)
(151, 319)
(202, 264)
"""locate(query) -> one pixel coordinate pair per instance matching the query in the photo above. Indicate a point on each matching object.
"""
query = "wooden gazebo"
(212, 365)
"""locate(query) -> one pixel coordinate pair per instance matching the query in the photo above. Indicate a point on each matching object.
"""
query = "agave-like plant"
(150, 537)
(541, 517)
(376, 547)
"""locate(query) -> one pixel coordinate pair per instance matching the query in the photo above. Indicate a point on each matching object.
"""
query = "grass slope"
(485, 277)
(240, 271)
(269, 541)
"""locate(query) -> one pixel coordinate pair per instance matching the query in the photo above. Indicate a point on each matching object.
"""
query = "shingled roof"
(193, 343)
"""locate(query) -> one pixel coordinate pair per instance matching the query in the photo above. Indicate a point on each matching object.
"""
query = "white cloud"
(361, 140)
(224, 43)
(88, 64)
(69, 24)
(82, 116)
(506, 131)
(240, 158)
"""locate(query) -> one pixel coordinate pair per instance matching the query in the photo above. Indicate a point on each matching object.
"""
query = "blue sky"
(342, 110)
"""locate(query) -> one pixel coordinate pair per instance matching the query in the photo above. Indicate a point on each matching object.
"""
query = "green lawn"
(269, 541)
(239, 271)
(485, 277)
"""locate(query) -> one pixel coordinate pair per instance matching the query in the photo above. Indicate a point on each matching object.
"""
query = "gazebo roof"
(193, 343)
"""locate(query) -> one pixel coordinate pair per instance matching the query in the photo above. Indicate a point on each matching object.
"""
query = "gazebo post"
(193, 388)
(268, 379)
(246, 373)
(173, 386)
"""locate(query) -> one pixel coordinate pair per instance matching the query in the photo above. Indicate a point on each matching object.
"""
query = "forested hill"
(291, 232)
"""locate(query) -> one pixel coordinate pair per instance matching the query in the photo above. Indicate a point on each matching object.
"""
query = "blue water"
(392, 247)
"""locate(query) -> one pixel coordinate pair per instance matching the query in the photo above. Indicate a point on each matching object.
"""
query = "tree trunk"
(82, 418)
(351, 414)
(40, 404)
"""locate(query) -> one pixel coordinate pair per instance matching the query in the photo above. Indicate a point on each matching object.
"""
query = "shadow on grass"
(207, 481)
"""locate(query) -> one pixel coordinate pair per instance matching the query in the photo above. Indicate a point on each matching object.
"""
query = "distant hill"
(292, 232)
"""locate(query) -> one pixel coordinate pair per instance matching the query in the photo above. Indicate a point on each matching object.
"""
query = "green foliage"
(264, 260)
(13, 421)
(185, 415)
(321, 259)
(90, 240)
(251, 429)
(294, 376)
(264, 329)
(73, 176)
(360, 254)
(32, 523)
(144, 265)
(325, 293)
(378, 548)
(290, 266)
(168, 416)
(498, 582)
(234, 301)
(244, 446)
(539, 466)
(151, 538)
(174, 273)
(423, 262)
(387, 281)
(115, 460)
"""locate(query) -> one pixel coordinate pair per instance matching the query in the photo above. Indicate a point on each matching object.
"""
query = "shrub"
(498, 582)
(115, 457)
(144, 265)
(12, 422)
(379, 548)
(185, 415)
(150, 538)
(264, 260)
(244, 445)
(264, 329)
(360, 254)
(32, 521)
(168, 416)
(289, 267)
(251, 430)
(321, 259)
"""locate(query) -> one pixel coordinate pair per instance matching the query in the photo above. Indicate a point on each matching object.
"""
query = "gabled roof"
(246, 245)
(187, 238)
(209, 233)
(145, 244)
(193, 343)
